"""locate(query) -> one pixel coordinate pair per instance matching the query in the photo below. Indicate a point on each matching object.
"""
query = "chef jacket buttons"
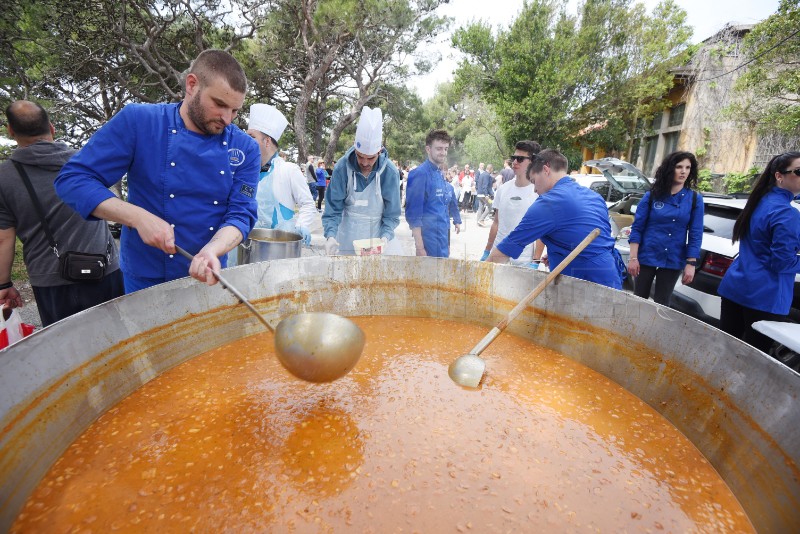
(171, 163)
(174, 131)
(171, 195)
(211, 228)
(222, 172)
(224, 143)
(171, 256)
(215, 202)
(172, 225)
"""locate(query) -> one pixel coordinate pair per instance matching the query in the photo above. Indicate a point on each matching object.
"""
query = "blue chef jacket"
(198, 183)
(430, 202)
(661, 231)
(562, 218)
(762, 275)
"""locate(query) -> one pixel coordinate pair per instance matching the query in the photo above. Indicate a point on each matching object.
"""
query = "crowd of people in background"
(538, 214)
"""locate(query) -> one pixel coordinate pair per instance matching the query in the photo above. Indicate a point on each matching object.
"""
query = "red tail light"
(716, 264)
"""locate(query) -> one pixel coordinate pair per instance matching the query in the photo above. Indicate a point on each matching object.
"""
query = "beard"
(197, 114)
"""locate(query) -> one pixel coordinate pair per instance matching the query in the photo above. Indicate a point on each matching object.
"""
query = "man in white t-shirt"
(512, 200)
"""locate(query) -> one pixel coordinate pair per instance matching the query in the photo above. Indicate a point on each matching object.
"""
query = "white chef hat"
(369, 133)
(267, 119)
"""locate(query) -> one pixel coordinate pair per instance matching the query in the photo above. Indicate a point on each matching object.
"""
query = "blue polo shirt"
(762, 275)
(198, 183)
(562, 218)
(662, 230)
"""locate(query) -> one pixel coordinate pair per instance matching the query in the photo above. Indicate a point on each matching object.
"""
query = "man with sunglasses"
(563, 215)
(512, 200)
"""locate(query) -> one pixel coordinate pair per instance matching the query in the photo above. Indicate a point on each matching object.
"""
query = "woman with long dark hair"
(759, 284)
(660, 249)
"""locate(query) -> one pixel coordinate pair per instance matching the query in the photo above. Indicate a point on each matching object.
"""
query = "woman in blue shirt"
(759, 284)
(659, 246)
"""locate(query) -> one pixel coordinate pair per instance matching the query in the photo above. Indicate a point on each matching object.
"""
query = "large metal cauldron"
(263, 244)
(739, 407)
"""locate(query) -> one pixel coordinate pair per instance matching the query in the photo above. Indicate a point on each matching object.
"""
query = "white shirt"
(511, 203)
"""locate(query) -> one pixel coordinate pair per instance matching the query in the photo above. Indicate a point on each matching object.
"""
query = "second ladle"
(467, 370)
(313, 346)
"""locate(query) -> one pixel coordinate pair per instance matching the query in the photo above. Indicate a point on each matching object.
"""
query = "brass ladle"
(313, 346)
(467, 370)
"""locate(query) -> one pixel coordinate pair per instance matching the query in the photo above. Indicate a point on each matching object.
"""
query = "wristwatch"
(693, 263)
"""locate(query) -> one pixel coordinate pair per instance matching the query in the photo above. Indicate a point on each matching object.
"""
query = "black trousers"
(58, 302)
(665, 283)
(737, 320)
(320, 196)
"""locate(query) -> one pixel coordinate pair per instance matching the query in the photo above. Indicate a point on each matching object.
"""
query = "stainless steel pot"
(738, 406)
(265, 245)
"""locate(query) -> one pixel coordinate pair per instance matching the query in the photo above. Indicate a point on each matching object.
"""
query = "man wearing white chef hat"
(281, 185)
(363, 198)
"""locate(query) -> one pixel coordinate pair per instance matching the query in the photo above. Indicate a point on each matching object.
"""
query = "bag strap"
(37, 205)
(691, 213)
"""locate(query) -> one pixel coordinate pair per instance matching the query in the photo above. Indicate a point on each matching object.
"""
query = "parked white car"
(700, 299)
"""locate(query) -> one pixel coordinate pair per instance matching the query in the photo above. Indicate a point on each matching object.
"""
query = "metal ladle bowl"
(313, 346)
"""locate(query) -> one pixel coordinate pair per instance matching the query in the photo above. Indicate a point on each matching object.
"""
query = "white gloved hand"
(305, 233)
(331, 246)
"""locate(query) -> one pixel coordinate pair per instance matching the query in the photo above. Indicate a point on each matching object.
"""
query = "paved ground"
(469, 244)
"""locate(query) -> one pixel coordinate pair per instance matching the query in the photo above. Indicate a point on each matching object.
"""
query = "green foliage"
(551, 75)
(481, 146)
(18, 270)
(704, 182)
(702, 151)
(740, 182)
(770, 82)
(85, 59)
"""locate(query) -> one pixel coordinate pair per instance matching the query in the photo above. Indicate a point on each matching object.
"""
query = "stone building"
(700, 116)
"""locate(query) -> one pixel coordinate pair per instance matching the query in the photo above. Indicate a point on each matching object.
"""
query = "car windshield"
(630, 183)
(719, 220)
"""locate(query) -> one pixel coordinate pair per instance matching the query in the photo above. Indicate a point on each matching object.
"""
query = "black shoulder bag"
(73, 266)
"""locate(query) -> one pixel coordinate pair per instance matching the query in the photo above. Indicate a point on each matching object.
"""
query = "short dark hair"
(437, 135)
(211, 63)
(551, 157)
(27, 122)
(531, 147)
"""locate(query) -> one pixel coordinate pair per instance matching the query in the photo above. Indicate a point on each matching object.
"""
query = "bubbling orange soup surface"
(229, 441)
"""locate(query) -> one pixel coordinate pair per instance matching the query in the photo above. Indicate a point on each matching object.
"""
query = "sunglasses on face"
(518, 159)
(796, 172)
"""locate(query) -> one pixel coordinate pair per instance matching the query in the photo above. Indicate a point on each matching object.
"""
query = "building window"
(671, 142)
(676, 115)
(656, 124)
(650, 145)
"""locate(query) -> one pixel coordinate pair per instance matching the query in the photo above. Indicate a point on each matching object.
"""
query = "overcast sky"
(705, 16)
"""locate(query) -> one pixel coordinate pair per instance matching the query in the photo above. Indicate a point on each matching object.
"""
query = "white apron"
(362, 214)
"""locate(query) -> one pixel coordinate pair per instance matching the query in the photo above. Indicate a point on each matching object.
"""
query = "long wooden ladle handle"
(230, 288)
(494, 332)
